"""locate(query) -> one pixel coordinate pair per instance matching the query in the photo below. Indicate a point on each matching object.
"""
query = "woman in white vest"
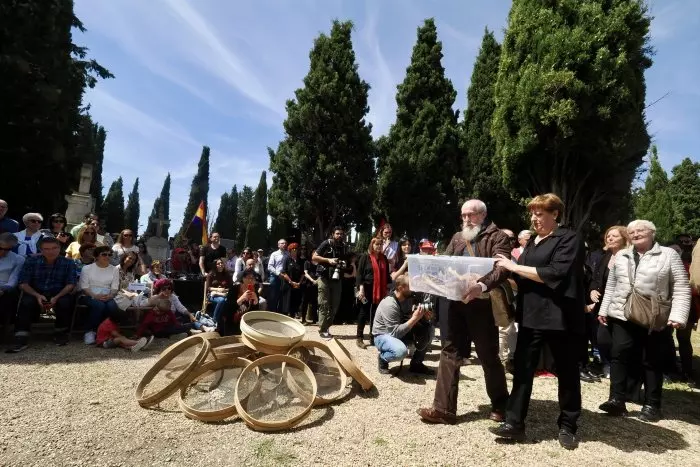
(655, 272)
(27, 239)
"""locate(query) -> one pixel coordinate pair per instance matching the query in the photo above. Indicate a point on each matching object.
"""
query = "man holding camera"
(391, 335)
(46, 281)
(329, 256)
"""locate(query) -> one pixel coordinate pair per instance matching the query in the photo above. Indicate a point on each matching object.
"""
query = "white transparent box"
(446, 276)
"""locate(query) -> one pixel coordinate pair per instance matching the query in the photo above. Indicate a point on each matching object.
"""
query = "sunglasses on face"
(127, 235)
(34, 221)
(59, 221)
(106, 254)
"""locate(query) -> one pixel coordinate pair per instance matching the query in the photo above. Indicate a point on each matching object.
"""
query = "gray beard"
(470, 233)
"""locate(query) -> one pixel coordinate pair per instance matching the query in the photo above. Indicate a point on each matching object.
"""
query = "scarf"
(379, 285)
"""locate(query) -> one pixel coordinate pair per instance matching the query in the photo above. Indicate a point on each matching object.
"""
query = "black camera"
(341, 265)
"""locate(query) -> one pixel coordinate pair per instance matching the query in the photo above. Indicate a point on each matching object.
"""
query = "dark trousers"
(604, 343)
(274, 295)
(564, 346)
(685, 347)
(474, 319)
(99, 311)
(173, 329)
(291, 300)
(591, 336)
(310, 299)
(8, 306)
(29, 310)
(367, 311)
(636, 356)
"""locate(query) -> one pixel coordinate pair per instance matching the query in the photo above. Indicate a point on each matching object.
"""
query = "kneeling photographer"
(392, 336)
(330, 257)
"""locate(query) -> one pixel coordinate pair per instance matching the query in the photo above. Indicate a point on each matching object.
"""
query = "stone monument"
(158, 246)
(80, 202)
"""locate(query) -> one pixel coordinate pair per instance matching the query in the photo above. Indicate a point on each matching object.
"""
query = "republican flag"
(199, 221)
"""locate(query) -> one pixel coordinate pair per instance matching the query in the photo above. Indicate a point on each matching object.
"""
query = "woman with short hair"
(99, 282)
(657, 274)
(57, 227)
(27, 239)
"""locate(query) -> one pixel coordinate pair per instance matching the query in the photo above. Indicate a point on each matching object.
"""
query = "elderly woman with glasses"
(87, 234)
(655, 272)
(99, 282)
(29, 237)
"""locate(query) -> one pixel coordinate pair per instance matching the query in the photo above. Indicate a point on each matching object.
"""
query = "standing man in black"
(329, 256)
(472, 318)
(210, 253)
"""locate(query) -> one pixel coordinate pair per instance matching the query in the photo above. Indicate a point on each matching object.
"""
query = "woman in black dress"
(550, 310)
(292, 275)
(373, 278)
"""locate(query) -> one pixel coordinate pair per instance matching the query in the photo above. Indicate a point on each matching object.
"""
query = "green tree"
(245, 203)
(570, 95)
(653, 202)
(198, 192)
(226, 219)
(684, 190)
(324, 170)
(133, 210)
(162, 202)
(42, 80)
(476, 165)
(256, 231)
(99, 136)
(418, 158)
(113, 207)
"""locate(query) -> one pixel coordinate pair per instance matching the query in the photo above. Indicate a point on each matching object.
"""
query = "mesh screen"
(325, 369)
(272, 328)
(172, 370)
(213, 390)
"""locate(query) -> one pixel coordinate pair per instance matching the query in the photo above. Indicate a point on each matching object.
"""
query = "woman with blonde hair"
(644, 278)
(616, 239)
(86, 234)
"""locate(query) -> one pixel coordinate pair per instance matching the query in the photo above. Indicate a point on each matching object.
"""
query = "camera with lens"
(340, 266)
(424, 300)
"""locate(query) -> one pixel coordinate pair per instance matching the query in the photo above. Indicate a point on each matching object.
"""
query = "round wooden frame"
(207, 415)
(263, 348)
(343, 356)
(228, 347)
(267, 339)
(172, 352)
(319, 400)
(260, 425)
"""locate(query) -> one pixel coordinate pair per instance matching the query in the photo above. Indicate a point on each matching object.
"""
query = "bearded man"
(473, 318)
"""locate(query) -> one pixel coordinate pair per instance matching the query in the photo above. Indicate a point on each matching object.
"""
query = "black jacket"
(600, 279)
(365, 273)
(558, 303)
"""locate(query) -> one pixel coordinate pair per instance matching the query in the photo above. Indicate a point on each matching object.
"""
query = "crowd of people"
(550, 305)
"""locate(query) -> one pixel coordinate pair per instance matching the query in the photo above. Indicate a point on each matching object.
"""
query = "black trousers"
(565, 350)
(685, 347)
(474, 319)
(8, 306)
(636, 356)
(309, 298)
(29, 310)
(367, 311)
(604, 343)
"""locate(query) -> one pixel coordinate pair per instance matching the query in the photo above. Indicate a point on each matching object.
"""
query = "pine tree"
(133, 210)
(99, 137)
(653, 202)
(570, 93)
(161, 202)
(245, 203)
(198, 193)
(477, 169)
(113, 207)
(684, 191)
(222, 216)
(324, 169)
(256, 231)
(418, 159)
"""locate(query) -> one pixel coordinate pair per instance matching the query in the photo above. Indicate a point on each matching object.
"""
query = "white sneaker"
(140, 344)
(89, 338)
(149, 341)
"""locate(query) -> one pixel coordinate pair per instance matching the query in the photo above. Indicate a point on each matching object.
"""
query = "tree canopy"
(132, 212)
(684, 191)
(419, 157)
(324, 168)
(256, 230)
(198, 192)
(245, 203)
(113, 207)
(227, 218)
(570, 93)
(162, 202)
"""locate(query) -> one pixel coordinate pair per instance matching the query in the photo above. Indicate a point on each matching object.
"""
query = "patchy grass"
(266, 453)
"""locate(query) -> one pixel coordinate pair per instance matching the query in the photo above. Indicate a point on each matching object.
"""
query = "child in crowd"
(163, 290)
(161, 321)
(109, 336)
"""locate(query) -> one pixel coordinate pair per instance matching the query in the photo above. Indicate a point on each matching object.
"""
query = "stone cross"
(160, 222)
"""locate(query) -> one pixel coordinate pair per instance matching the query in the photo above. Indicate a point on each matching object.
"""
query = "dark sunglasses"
(105, 254)
(35, 220)
(127, 235)
(59, 221)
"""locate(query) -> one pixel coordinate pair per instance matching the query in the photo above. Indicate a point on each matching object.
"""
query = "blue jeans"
(219, 303)
(99, 311)
(390, 348)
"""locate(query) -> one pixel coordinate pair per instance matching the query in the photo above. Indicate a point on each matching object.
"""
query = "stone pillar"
(80, 202)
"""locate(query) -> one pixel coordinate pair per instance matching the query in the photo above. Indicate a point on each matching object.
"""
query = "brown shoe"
(361, 343)
(432, 415)
(497, 416)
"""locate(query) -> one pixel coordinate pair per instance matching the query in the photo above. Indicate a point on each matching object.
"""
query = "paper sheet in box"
(446, 276)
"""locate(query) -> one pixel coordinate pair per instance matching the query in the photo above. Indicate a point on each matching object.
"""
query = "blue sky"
(218, 73)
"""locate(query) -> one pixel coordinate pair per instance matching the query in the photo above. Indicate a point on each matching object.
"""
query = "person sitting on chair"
(10, 266)
(46, 281)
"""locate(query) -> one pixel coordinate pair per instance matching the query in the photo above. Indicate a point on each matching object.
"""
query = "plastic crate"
(446, 276)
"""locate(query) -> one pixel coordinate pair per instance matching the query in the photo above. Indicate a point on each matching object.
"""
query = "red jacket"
(156, 321)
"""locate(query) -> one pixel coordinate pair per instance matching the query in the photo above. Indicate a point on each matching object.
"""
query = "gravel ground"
(74, 405)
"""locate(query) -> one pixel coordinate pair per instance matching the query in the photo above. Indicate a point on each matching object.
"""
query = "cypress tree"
(133, 210)
(113, 207)
(232, 213)
(324, 169)
(198, 192)
(570, 93)
(478, 147)
(418, 158)
(99, 137)
(256, 231)
(162, 201)
(245, 202)
(222, 216)
(684, 191)
(653, 202)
